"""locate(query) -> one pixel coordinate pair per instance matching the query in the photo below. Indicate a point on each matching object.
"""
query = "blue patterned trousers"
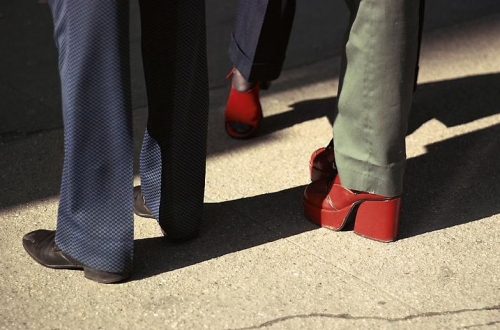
(95, 219)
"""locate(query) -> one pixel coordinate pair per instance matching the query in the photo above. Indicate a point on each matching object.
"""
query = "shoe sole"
(240, 136)
(348, 214)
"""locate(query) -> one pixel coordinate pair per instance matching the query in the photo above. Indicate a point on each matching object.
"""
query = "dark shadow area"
(456, 182)
(226, 229)
(456, 102)
(452, 102)
(301, 112)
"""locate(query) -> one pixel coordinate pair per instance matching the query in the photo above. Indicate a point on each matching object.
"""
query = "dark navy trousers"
(95, 219)
(260, 37)
(261, 33)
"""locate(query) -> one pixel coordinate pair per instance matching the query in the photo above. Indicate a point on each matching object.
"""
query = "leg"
(258, 46)
(95, 220)
(260, 37)
(95, 224)
(321, 159)
(370, 127)
(376, 95)
(173, 155)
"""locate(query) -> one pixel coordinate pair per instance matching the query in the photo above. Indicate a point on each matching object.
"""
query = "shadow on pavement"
(452, 102)
(228, 227)
(456, 182)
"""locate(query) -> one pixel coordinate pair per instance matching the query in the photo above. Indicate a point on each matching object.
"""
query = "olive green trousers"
(375, 94)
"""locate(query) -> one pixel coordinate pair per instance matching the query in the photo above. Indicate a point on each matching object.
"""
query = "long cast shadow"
(228, 227)
(452, 102)
(456, 182)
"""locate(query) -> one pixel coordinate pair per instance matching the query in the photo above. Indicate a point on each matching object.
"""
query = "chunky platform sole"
(373, 219)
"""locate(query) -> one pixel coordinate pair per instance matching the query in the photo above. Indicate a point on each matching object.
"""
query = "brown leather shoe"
(140, 207)
(41, 246)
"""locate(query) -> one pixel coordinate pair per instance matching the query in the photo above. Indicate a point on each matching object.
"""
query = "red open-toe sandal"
(243, 111)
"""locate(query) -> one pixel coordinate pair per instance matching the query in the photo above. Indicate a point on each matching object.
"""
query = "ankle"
(240, 83)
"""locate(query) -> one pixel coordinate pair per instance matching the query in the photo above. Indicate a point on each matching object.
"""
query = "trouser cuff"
(253, 71)
(385, 180)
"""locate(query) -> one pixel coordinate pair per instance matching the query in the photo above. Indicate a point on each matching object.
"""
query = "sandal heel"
(378, 220)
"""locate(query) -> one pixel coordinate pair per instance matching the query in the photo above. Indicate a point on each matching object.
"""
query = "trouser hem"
(385, 180)
(121, 253)
(253, 71)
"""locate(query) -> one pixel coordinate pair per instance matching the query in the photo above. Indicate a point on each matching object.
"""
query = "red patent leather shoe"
(243, 111)
(322, 163)
(331, 205)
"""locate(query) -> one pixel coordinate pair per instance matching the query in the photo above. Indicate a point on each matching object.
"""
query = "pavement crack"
(480, 325)
(376, 318)
(16, 135)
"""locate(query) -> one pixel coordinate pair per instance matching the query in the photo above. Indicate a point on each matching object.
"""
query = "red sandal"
(331, 205)
(243, 107)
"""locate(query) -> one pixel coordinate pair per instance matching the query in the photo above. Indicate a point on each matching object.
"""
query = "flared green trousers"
(375, 94)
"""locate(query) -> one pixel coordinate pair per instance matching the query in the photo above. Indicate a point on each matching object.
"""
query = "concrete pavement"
(258, 263)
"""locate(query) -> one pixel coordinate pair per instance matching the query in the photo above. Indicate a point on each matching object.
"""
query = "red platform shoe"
(330, 205)
(322, 163)
(243, 111)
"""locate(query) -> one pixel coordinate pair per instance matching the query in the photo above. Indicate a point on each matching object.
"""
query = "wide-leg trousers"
(260, 37)
(375, 94)
(261, 34)
(95, 219)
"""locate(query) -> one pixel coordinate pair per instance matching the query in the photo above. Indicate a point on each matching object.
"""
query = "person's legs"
(95, 219)
(258, 47)
(260, 38)
(321, 165)
(173, 155)
(375, 100)
(369, 130)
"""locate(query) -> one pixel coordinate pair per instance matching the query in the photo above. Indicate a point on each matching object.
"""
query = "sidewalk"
(259, 264)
